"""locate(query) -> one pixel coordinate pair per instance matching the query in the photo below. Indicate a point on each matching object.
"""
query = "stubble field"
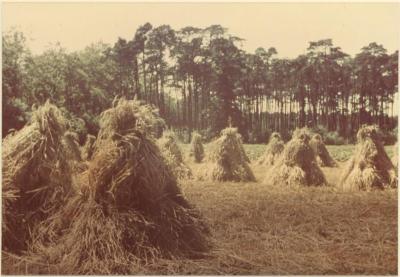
(261, 229)
(272, 229)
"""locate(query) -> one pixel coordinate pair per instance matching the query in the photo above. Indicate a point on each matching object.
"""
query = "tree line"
(201, 79)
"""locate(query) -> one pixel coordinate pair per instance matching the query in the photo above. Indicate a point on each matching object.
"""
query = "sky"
(286, 26)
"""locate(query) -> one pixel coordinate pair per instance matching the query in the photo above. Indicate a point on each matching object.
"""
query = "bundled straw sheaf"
(226, 161)
(131, 211)
(88, 147)
(274, 149)
(240, 139)
(301, 132)
(130, 114)
(36, 175)
(370, 167)
(173, 155)
(323, 157)
(71, 144)
(297, 166)
(196, 148)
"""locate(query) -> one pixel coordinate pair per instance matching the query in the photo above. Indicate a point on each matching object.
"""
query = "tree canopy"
(201, 79)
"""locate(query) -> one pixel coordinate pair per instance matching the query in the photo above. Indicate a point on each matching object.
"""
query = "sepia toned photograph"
(200, 138)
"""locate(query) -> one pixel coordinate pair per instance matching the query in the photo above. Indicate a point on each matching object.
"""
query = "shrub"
(76, 125)
(389, 137)
(329, 137)
(333, 138)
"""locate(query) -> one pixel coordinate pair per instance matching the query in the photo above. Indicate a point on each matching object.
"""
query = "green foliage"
(76, 125)
(333, 138)
(14, 103)
(15, 114)
(208, 134)
(389, 137)
(201, 79)
(257, 135)
(82, 83)
(329, 137)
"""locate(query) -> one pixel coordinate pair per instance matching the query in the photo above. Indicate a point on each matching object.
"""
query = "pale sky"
(286, 26)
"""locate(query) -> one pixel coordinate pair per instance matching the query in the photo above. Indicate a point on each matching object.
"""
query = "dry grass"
(226, 160)
(297, 166)
(321, 152)
(128, 212)
(71, 144)
(173, 155)
(197, 149)
(339, 153)
(370, 167)
(261, 229)
(273, 150)
(36, 175)
(265, 229)
(88, 147)
(241, 147)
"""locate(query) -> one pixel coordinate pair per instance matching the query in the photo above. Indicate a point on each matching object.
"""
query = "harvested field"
(124, 149)
(340, 153)
(262, 229)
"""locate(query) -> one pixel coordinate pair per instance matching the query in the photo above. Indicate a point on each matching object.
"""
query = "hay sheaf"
(274, 149)
(240, 139)
(71, 144)
(130, 212)
(36, 175)
(88, 147)
(226, 161)
(370, 167)
(297, 166)
(196, 148)
(131, 114)
(300, 132)
(323, 157)
(173, 155)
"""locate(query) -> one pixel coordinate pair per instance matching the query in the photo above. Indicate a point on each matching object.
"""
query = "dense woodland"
(202, 79)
